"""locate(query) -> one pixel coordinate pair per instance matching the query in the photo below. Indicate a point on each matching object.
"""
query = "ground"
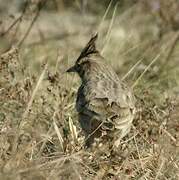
(40, 134)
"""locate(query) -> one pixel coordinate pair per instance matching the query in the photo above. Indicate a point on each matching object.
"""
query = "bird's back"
(103, 83)
(102, 99)
(103, 94)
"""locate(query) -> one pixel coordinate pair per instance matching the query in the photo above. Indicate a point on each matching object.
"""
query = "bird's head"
(84, 61)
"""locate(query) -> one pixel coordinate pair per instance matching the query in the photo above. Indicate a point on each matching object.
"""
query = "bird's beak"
(72, 69)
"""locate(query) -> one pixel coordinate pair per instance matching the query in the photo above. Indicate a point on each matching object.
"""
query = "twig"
(16, 20)
(31, 24)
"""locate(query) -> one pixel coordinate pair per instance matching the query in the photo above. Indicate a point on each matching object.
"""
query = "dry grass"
(40, 135)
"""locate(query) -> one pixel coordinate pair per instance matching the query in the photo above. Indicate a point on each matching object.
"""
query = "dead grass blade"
(104, 16)
(34, 93)
(138, 152)
(170, 52)
(158, 174)
(146, 69)
(106, 41)
(100, 174)
(73, 130)
(132, 69)
(58, 134)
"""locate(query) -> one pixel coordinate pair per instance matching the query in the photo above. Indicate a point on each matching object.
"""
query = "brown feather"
(102, 97)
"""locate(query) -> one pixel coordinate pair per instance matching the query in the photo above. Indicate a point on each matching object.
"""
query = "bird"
(104, 103)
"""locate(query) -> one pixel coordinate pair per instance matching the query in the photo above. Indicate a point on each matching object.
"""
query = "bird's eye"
(84, 62)
(78, 67)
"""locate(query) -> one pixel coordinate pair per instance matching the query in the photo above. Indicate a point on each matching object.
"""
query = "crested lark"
(104, 103)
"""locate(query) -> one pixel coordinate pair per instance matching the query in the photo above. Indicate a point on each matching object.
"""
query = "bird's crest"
(90, 47)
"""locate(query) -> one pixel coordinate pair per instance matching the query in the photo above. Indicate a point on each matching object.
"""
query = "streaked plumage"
(103, 101)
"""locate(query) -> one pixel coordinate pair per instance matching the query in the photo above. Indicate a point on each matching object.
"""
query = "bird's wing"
(103, 105)
(111, 93)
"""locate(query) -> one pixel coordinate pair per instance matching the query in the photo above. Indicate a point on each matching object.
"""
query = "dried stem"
(32, 23)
